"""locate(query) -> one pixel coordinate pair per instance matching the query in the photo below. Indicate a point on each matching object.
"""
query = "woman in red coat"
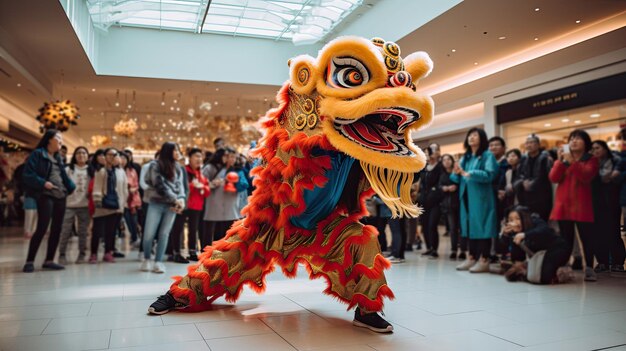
(573, 205)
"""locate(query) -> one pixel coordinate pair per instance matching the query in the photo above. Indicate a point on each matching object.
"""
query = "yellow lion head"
(363, 94)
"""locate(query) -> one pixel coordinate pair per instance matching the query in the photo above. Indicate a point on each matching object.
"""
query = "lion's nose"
(400, 79)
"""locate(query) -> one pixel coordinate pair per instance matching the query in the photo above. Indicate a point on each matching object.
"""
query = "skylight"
(301, 21)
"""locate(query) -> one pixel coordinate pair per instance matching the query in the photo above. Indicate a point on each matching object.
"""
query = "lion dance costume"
(340, 134)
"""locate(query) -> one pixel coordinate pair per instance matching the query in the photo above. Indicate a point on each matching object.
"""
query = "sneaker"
(590, 275)
(601, 268)
(108, 257)
(616, 268)
(52, 266)
(408, 247)
(62, 260)
(193, 256)
(462, 256)
(371, 321)
(386, 253)
(466, 265)
(433, 256)
(427, 252)
(80, 259)
(453, 256)
(28, 268)
(396, 260)
(180, 259)
(482, 266)
(93, 259)
(164, 304)
(159, 267)
(145, 266)
(496, 268)
(118, 254)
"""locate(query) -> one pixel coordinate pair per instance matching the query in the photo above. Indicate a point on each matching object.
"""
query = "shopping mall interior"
(127, 80)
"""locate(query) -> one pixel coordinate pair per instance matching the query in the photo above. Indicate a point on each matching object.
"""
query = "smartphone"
(566, 148)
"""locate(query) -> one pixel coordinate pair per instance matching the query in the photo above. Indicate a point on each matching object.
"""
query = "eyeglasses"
(112, 154)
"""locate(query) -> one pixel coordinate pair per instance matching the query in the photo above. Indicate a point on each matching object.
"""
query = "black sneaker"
(28, 268)
(164, 304)
(193, 256)
(118, 254)
(180, 259)
(434, 255)
(453, 256)
(462, 255)
(601, 268)
(371, 321)
(427, 252)
(52, 266)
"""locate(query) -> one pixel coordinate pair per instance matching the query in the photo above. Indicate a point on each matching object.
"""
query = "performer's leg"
(222, 270)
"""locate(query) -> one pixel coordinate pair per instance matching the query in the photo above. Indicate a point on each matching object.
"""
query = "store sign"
(590, 93)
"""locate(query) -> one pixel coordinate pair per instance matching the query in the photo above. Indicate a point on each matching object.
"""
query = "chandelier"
(100, 140)
(125, 127)
(58, 115)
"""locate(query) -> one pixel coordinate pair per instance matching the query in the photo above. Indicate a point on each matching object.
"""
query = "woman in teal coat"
(475, 174)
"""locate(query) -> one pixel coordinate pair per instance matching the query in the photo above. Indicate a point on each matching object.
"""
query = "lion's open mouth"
(381, 131)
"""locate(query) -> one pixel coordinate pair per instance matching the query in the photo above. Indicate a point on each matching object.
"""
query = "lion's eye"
(346, 72)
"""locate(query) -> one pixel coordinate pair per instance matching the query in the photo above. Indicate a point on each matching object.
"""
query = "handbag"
(110, 200)
(535, 261)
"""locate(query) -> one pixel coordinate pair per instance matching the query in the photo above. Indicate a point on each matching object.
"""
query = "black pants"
(609, 248)
(430, 224)
(585, 231)
(556, 256)
(453, 222)
(48, 209)
(480, 248)
(192, 218)
(380, 223)
(104, 227)
(398, 235)
(214, 231)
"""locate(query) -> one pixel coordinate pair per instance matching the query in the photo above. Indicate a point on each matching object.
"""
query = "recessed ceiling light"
(577, 121)
(130, 106)
(217, 89)
(565, 120)
(171, 108)
(594, 115)
(238, 107)
(175, 101)
(502, 38)
(117, 104)
(162, 103)
(19, 85)
(93, 90)
(216, 103)
(453, 50)
(536, 38)
(249, 111)
(536, 9)
(547, 125)
(475, 63)
(91, 108)
(577, 21)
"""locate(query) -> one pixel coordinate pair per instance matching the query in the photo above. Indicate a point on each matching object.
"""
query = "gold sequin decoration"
(392, 49)
(378, 41)
(391, 63)
(304, 75)
(308, 106)
(311, 120)
(300, 121)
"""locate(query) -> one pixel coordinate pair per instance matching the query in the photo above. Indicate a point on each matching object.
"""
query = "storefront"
(598, 106)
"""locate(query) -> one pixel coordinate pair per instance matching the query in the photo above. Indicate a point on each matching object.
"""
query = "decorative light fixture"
(125, 127)
(58, 115)
(100, 140)
(594, 115)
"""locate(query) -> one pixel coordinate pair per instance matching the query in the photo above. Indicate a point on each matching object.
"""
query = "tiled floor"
(93, 307)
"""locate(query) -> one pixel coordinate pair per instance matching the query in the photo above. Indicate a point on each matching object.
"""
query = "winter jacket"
(162, 190)
(37, 171)
(195, 201)
(478, 201)
(100, 190)
(573, 201)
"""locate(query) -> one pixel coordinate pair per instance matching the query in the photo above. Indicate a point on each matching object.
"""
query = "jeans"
(48, 209)
(159, 218)
(131, 222)
(71, 214)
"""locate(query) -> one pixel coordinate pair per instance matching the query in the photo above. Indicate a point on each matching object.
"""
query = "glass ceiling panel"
(301, 21)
